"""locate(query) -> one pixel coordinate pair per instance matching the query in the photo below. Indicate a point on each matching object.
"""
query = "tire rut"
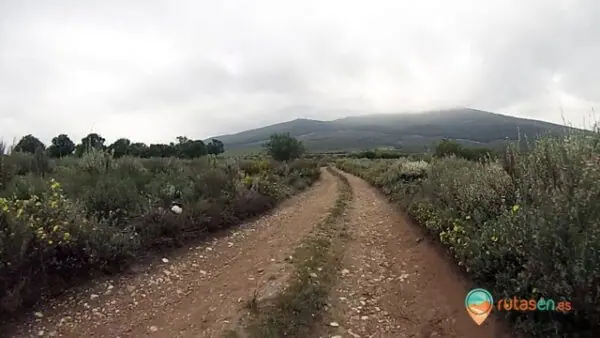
(395, 284)
(196, 294)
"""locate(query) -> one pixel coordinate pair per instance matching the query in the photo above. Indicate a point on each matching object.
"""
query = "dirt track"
(393, 284)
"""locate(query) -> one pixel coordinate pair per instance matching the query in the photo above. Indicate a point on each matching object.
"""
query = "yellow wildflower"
(54, 184)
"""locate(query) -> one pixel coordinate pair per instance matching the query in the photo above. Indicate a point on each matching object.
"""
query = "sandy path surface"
(395, 284)
(195, 294)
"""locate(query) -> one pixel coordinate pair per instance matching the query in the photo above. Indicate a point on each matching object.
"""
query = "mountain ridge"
(407, 131)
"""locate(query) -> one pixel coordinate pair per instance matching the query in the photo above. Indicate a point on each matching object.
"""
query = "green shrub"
(24, 187)
(20, 163)
(452, 148)
(114, 200)
(377, 153)
(252, 167)
(46, 239)
(96, 162)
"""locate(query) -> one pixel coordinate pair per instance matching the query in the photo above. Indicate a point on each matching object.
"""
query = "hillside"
(410, 132)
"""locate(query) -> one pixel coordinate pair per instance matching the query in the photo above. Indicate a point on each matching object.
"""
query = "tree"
(138, 149)
(120, 147)
(447, 148)
(61, 146)
(29, 144)
(92, 141)
(191, 149)
(215, 147)
(187, 148)
(161, 150)
(196, 148)
(283, 147)
(182, 139)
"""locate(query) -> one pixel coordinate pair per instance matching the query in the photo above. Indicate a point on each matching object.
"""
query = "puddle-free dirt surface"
(395, 284)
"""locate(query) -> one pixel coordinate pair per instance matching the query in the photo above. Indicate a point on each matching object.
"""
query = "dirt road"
(197, 293)
(392, 283)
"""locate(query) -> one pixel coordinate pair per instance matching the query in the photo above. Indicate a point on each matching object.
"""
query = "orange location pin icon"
(479, 304)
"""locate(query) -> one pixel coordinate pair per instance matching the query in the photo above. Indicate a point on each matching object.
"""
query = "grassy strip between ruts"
(294, 312)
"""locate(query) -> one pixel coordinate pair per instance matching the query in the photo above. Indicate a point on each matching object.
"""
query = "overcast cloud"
(151, 70)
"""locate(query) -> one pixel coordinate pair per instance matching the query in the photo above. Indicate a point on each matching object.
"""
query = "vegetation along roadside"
(525, 224)
(65, 219)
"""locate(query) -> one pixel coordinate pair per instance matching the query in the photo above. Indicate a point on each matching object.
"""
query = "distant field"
(243, 151)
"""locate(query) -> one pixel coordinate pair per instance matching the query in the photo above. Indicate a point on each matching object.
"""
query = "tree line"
(280, 146)
(62, 145)
(448, 147)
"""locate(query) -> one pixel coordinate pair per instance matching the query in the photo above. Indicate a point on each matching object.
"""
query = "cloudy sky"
(151, 70)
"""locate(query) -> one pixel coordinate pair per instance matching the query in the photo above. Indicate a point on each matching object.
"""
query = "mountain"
(410, 132)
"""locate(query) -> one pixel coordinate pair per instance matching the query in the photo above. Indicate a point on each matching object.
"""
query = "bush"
(24, 187)
(527, 225)
(377, 153)
(114, 200)
(452, 148)
(44, 241)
